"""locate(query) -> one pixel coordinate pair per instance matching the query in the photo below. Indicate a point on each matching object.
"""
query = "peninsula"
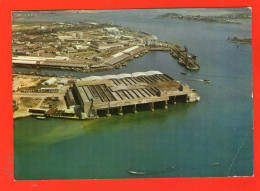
(86, 47)
(90, 47)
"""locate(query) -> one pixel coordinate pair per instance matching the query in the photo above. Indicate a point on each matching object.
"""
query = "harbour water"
(189, 137)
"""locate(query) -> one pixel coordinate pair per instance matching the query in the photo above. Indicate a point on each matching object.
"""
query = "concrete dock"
(95, 96)
(101, 94)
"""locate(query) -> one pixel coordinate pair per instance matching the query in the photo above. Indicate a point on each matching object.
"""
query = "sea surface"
(188, 136)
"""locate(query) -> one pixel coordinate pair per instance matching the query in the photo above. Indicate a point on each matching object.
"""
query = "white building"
(78, 46)
(112, 30)
(50, 81)
(104, 46)
(71, 50)
(151, 41)
(21, 59)
(63, 38)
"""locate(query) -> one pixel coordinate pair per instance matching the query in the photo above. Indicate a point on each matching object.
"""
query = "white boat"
(41, 117)
(150, 172)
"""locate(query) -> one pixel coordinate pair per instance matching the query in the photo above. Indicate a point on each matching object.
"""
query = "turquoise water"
(189, 137)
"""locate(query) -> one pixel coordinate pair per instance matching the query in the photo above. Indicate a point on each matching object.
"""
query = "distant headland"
(238, 40)
(225, 19)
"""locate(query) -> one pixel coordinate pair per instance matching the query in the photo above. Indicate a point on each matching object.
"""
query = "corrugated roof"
(124, 75)
(149, 73)
(24, 62)
(118, 54)
(130, 49)
(39, 58)
(90, 78)
(110, 77)
(136, 74)
(50, 81)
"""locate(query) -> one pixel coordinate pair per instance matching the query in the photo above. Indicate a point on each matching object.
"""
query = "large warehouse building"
(103, 93)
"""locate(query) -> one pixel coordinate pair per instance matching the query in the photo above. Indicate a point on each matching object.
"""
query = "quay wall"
(115, 61)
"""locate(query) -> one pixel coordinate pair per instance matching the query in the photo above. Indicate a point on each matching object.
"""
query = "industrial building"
(112, 30)
(50, 81)
(151, 41)
(30, 58)
(105, 46)
(97, 94)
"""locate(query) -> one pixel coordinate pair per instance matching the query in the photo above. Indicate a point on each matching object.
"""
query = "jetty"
(182, 55)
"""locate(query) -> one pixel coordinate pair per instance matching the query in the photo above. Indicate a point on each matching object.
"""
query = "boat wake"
(201, 80)
(150, 172)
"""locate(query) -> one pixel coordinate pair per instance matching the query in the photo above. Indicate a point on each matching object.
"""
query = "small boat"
(201, 80)
(150, 172)
(41, 117)
(215, 164)
(183, 73)
(138, 173)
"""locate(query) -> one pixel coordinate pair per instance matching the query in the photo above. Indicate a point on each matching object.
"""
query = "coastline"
(223, 19)
(148, 140)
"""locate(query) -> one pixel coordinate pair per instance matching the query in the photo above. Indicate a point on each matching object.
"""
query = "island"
(225, 18)
(237, 40)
